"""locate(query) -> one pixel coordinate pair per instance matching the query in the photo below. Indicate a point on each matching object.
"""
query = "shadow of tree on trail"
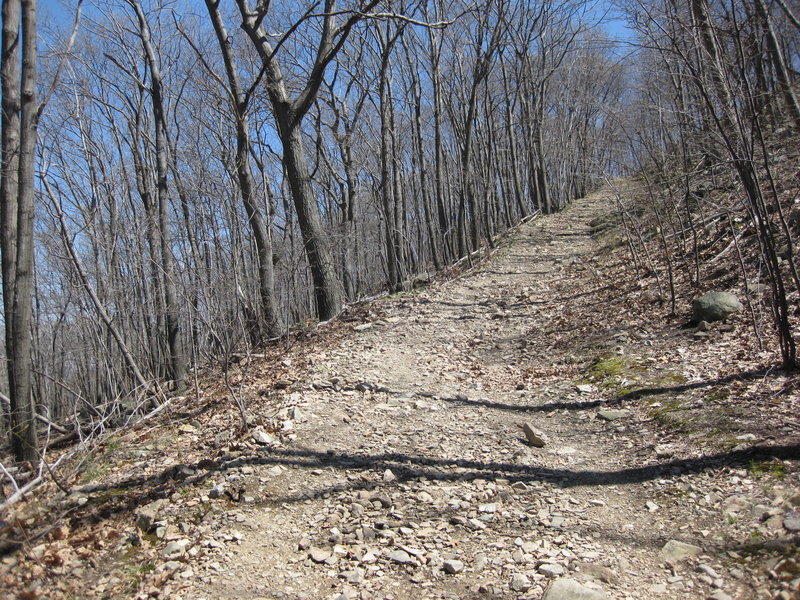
(129, 494)
(615, 400)
(654, 391)
(406, 468)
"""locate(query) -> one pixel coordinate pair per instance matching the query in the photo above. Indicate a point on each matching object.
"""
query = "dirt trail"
(406, 474)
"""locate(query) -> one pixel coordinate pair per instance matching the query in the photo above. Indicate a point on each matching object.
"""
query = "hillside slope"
(392, 459)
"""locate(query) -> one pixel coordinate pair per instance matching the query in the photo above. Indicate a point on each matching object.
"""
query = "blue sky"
(63, 10)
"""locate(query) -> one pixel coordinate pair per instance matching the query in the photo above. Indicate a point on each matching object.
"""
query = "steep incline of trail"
(407, 474)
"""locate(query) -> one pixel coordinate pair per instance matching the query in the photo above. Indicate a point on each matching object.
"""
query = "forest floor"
(391, 460)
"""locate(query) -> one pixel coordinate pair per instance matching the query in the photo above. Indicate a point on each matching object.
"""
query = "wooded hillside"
(185, 183)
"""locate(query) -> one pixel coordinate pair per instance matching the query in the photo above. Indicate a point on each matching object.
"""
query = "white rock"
(550, 570)
(453, 566)
(520, 583)
(262, 437)
(569, 589)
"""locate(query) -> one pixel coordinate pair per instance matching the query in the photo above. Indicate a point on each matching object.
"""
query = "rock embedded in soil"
(715, 306)
(551, 571)
(319, 555)
(792, 523)
(401, 557)
(598, 572)
(175, 549)
(612, 415)
(675, 550)
(355, 577)
(557, 522)
(664, 451)
(569, 589)
(147, 516)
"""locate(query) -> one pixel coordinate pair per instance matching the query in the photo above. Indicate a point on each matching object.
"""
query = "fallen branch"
(45, 421)
(156, 410)
(20, 493)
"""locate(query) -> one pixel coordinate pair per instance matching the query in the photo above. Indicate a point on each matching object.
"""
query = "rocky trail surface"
(447, 449)
(525, 430)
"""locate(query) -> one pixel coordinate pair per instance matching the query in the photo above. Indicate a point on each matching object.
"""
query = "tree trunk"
(289, 113)
(326, 286)
(177, 359)
(445, 231)
(19, 143)
(392, 214)
(247, 187)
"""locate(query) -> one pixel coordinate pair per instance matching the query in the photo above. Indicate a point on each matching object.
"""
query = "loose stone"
(262, 437)
(401, 557)
(453, 566)
(535, 437)
(550, 570)
(792, 523)
(612, 415)
(319, 555)
(520, 583)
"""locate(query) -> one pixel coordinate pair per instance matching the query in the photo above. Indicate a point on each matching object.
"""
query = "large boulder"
(715, 306)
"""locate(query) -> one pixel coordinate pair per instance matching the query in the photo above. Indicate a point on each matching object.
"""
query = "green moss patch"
(614, 372)
(767, 468)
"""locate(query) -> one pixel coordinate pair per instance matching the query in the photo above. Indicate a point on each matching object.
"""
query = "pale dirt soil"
(408, 440)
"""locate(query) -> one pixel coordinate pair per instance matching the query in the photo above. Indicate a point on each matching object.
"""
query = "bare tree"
(172, 317)
(240, 100)
(289, 112)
